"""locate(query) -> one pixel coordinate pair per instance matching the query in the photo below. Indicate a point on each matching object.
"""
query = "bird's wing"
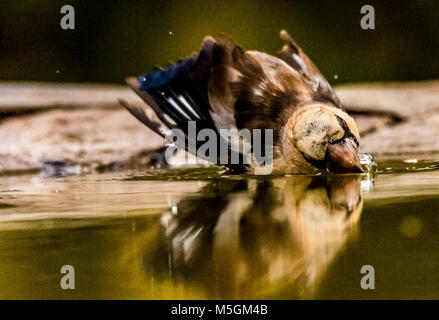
(178, 94)
(294, 56)
(252, 90)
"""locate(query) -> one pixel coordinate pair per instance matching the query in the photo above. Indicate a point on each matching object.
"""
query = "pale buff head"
(319, 137)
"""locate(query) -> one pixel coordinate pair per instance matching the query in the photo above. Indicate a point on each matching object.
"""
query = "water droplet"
(367, 162)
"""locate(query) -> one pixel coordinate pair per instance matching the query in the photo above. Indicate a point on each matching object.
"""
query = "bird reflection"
(257, 238)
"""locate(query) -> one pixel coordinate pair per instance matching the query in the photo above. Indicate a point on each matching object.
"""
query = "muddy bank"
(84, 124)
(396, 118)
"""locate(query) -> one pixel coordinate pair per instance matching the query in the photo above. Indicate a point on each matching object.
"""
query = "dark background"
(114, 39)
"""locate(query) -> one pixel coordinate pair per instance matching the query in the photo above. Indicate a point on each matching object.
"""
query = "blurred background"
(114, 39)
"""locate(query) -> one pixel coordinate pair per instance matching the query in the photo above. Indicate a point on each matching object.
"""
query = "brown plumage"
(229, 87)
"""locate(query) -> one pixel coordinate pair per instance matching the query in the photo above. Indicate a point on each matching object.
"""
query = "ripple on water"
(406, 166)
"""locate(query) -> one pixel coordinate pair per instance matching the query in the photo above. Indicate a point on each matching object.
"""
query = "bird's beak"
(342, 157)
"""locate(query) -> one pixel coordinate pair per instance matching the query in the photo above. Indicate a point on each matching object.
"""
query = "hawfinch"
(224, 86)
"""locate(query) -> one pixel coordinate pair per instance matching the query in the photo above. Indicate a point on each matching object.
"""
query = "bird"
(225, 86)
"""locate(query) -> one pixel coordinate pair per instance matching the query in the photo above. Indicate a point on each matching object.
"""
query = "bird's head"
(323, 137)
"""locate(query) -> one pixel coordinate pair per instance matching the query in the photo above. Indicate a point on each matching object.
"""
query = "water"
(200, 233)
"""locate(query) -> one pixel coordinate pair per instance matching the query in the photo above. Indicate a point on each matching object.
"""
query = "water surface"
(200, 233)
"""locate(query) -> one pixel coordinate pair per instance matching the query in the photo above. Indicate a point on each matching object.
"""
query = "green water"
(199, 233)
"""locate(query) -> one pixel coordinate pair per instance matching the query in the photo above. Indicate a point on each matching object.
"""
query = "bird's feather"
(140, 114)
(244, 93)
(292, 54)
(179, 94)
